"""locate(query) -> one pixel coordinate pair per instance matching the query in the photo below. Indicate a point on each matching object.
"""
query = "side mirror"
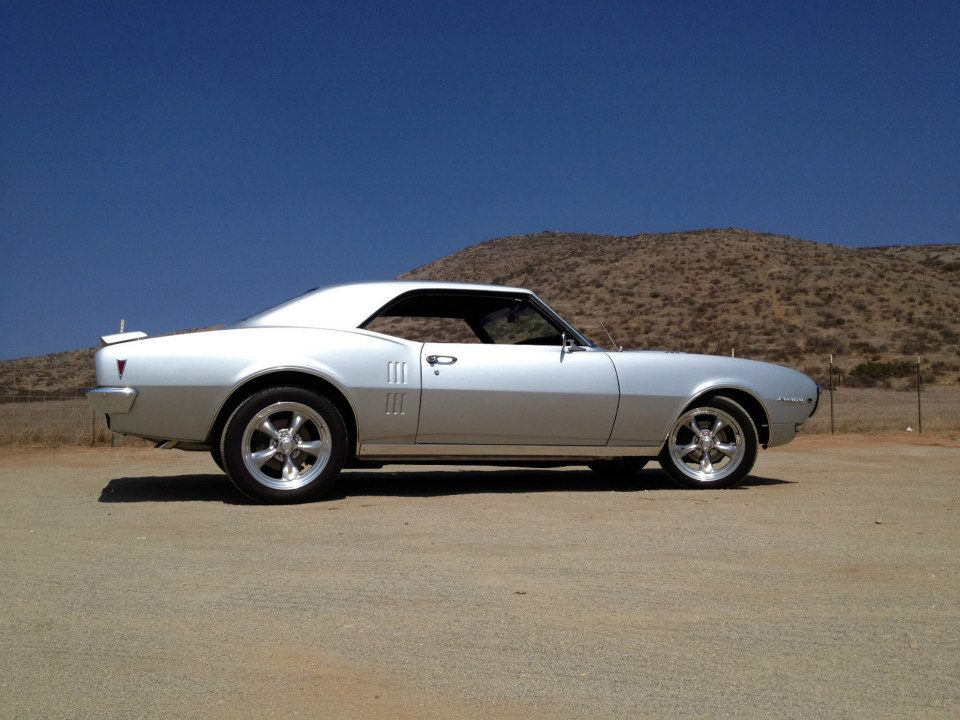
(568, 344)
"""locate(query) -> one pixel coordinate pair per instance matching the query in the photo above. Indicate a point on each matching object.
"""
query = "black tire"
(619, 467)
(217, 457)
(284, 445)
(719, 456)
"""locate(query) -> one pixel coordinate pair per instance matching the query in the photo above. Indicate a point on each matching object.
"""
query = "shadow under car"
(419, 483)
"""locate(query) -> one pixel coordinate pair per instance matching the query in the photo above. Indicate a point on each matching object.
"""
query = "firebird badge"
(121, 366)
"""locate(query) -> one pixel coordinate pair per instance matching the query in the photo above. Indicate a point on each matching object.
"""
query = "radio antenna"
(614, 342)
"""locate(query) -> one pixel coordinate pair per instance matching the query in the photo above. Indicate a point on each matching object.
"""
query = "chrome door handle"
(441, 359)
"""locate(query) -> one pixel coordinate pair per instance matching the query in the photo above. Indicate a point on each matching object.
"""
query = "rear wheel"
(284, 445)
(713, 445)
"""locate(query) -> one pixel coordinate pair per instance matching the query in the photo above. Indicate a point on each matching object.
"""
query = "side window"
(520, 324)
(465, 317)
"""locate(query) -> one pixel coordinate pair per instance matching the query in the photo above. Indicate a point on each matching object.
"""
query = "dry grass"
(873, 410)
(52, 423)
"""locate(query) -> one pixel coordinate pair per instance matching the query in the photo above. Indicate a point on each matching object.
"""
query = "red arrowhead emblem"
(121, 366)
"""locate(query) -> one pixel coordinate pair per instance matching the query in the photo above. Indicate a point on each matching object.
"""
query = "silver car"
(419, 372)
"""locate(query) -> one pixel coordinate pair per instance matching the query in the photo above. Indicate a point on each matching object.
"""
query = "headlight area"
(816, 403)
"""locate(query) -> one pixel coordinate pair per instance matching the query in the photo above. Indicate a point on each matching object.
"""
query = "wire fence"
(50, 418)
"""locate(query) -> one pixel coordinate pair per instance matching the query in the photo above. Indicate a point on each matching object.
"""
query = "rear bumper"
(112, 400)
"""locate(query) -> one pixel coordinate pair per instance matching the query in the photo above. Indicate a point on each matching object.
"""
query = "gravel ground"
(137, 583)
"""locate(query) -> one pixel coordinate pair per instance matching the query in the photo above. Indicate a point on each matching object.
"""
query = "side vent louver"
(396, 373)
(395, 403)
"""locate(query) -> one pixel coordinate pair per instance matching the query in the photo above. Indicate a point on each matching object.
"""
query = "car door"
(488, 394)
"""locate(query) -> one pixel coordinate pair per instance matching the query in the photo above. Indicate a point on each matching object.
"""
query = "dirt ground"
(137, 584)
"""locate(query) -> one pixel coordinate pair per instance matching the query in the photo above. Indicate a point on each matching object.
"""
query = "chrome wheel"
(712, 445)
(286, 445)
(707, 445)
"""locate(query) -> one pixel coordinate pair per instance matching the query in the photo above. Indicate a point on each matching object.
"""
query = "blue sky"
(185, 164)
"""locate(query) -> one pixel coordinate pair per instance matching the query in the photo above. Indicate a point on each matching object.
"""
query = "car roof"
(347, 306)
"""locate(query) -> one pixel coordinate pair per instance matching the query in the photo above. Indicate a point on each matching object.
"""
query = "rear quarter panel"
(184, 380)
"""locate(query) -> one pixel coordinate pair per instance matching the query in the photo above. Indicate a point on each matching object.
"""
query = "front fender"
(655, 388)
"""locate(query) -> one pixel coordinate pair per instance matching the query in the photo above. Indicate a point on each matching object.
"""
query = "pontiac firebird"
(419, 372)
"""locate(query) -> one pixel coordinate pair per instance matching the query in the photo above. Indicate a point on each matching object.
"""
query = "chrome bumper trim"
(112, 400)
(501, 452)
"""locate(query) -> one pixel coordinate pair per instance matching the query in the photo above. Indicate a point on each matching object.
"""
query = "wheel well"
(748, 402)
(297, 379)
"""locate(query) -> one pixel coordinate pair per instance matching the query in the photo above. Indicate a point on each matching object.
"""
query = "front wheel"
(713, 445)
(284, 445)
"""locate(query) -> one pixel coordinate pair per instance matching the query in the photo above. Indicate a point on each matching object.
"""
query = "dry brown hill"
(768, 297)
(57, 375)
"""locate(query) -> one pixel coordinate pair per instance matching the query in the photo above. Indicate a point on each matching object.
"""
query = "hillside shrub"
(871, 374)
(863, 347)
(917, 343)
(823, 344)
(830, 320)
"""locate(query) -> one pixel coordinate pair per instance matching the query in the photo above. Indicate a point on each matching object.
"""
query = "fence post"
(44, 425)
(919, 410)
(831, 393)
